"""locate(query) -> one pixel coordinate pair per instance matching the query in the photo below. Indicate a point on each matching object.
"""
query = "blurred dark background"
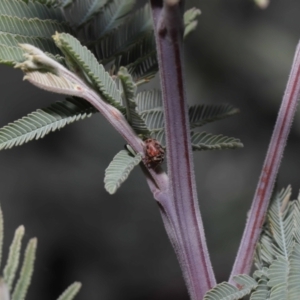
(116, 245)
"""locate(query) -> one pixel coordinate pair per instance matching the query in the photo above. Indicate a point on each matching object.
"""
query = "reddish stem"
(243, 261)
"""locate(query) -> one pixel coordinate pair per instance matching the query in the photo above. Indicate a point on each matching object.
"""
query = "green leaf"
(149, 100)
(190, 21)
(281, 222)
(294, 273)
(70, 292)
(208, 141)
(49, 3)
(119, 169)
(86, 61)
(64, 3)
(12, 263)
(11, 55)
(32, 9)
(226, 291)
(203, 114)
(140, 59)
(278, 273)
(31, 27)
(129, 91)
(154, 119)
(110, 17)
(267, 251)
(78, 12)
(297, 219)
(26, 271)
(262, 291)
(125, 37)
(43, 121)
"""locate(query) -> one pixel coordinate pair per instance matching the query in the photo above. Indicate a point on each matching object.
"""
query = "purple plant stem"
(186, 229)
(243, 261)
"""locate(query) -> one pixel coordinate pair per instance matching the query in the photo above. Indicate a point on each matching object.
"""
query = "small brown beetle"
(155, 153)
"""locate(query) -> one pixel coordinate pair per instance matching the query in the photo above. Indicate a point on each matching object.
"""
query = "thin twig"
(243, 261)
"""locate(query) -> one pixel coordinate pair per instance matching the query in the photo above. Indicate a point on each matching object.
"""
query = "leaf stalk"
(244, 258)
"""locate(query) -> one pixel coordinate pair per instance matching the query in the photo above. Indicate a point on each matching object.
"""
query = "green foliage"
(190, 21)
(43, 121)
(32, 9)
(125, 37)
(80, 57)
(129, 93)
(119, 169)
(207, 141)
(31, 27)
(19, 291)
(110, 17)
(78, 12)
(202, 114)
(26, 271)
(11, 266)
(109, 34)
(70, 292)
(277, 256)
(226, 291)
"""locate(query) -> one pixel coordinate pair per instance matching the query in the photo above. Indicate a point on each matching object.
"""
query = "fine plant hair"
(99, 53)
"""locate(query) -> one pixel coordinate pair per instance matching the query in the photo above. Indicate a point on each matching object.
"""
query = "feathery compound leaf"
(226, 291)
(26, 271)
(207, 141)
(262, 290)
(81, 56)
(294, 274)
(110, 16)
(140, 59)
(119, 169)
(43, 121)
(49, 3)
(297, 219)
(129, 91)
(202, 114)
(31, 27)
(278, 274)
(70, 292)
(149, 100)
(12, 263)
(190, 21)
(154, 119)
(125, 37)
(13, 40)
(17, 8)
(11, 55)
(281, 222)
(78, 12)
(129, 88)
(64, 3)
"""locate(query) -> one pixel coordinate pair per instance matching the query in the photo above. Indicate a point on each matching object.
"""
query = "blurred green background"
(116, 245)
